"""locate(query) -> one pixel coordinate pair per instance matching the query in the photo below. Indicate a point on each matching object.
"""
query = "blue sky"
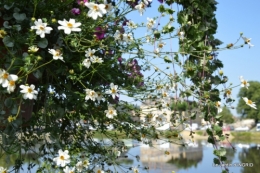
(233, 18)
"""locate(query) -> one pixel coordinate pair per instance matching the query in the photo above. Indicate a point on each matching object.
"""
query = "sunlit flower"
(141, 8)
(56, 54)
(248, 41)
(29, 92)
(79, 166)
(131, 24)
(85, 163)
(63, 158)
(96, 10)
(11, 83)
(181, 35)
(161, 45)
(110, 112)
(95, 59)
(3, 170)
(2, 33)
(113, 90)
(98, 170)
(90, 94)
(41, 28)
(244, 83)
(135, 170)
(69, 170)
(128, 37)
(108, 6)
(150, 23)
(218, 104)
(228, 93)
(86, 62)
(11, 119)
(90, 53)
(249, 102)
(161, 119)
(33, 49)
(69, 26)
(4, 78)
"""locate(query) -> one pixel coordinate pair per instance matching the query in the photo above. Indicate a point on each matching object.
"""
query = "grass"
(246, 137)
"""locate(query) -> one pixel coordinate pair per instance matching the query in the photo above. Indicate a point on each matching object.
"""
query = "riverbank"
(201, 135)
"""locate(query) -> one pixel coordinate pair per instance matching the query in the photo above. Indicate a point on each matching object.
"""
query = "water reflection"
(196, 158)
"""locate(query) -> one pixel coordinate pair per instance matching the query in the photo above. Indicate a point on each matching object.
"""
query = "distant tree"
(252, 93)
(227, 116)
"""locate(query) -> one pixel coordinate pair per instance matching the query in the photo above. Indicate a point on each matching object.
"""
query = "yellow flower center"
(62, 158)
(41, 28)
(70, 25)
(244, 82)
(106, 7)
(5, 76)
(249, 102)
(95, 7)
(113, 91)
(30, 91)
(160, 45)
(217, 104)
(228, 92)
(99, 171)
(11, 83)
(111, 111)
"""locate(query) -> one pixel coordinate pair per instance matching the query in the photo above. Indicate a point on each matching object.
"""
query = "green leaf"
(19, 16)
(193, 115)
(37, 74)
(8, 102)
(216, 161)
(161, 9)
(43, 43)
(220, 152)
(8, 7)
(169, 11)
(8, 41)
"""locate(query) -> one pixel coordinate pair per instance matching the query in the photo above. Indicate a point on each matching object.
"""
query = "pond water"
(196, 158)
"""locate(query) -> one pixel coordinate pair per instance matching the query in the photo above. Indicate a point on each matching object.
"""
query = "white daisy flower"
(79, 166)
(41, 28)
(110, 112)
(248, 41)
(128, 37)
(96, 59)
(96, 10)
(4, 78)
(131, 24)
(98, 170)
(249, 103)
(86, 62)
(108, 6)
(69, 26)
(150, 23)
(141, 8)
(56, 54)
(3, 170)
(113, 90)
(91, 94)
(85, 163)
(90, 53)
(69, 170)
(29, 92)
(63, 158)
(244, 83)
(218, 104)
(135, 170)
(11, 83)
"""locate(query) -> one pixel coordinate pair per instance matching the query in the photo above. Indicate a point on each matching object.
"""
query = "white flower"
(86, 163)
(90, 53)
(128, 37)
(56, 54)
(110, 112)
(33, 49)
(113, 90)
(98, 170)
(244, 83)
(46, 136)
(41, 28)
(62, 159)
(11, 83)
(150, 23)
(161, 45)
(164, 94)
(108, 6)
(86, 62)
(218, 104)
(247, 41)
(228, 93)
(28, 91)
(118, 36)
(147, 2)
(69, 26)
(3, 170)
(90, 94)
(95, 10)
(181, 35)
(99, 96)
(96, 59)
(249, 102)
(141, 8)
(161, 119)
(69, 170)
(79, 166)
(4, 78)
(135, 170)
(131, 24)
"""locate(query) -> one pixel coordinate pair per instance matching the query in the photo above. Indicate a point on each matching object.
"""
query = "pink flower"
(81, 1)
(75, 11)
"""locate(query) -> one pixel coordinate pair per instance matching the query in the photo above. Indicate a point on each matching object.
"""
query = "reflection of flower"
(29, 92)
(69, 170)
(249, 103)
(95, 10)
(98, 170)
(3, 170)
(244, 83)
(69, 26)
(41, 28)
(63, 158)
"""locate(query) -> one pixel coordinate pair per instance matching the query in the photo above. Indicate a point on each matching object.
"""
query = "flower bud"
(39, 58)
(53, 20)
(220, 72)
(71, 71)
(33, 19)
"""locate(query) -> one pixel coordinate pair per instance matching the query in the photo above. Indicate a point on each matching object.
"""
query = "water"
(196, 158)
